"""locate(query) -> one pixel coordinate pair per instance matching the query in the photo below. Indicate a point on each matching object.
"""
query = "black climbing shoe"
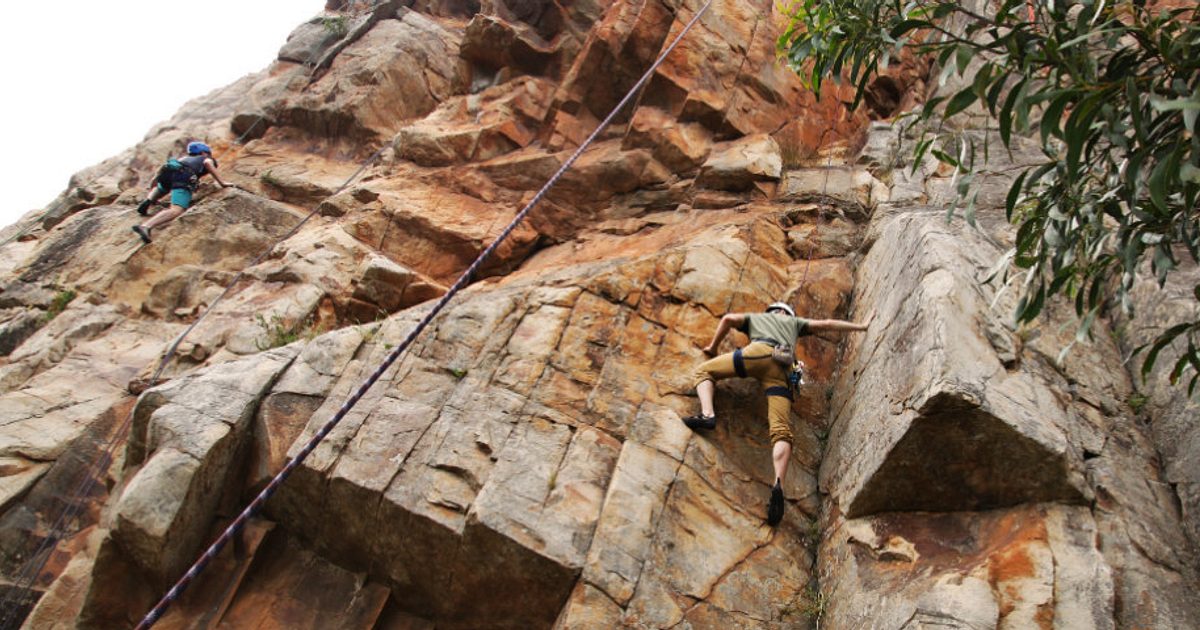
(144, 207)
(700, 422)
(775, 507)
(142, 232)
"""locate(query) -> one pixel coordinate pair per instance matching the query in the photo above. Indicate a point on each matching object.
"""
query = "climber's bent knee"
(714, 369)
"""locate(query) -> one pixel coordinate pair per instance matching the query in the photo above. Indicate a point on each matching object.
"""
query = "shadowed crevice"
(957, 457)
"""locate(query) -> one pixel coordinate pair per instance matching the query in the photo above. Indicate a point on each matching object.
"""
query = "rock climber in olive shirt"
(778, 326)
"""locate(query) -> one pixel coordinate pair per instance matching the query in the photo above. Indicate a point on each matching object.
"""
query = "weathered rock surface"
(961, 453)
(737, 165)
(523, 465)
(17, 326)
(1171, 413)
(399, 69)
(499, 120)
(184, 444)
(950, 426)
(503, 439)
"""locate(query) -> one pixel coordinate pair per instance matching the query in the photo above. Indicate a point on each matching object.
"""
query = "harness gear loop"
(784, 355)
(795, 376)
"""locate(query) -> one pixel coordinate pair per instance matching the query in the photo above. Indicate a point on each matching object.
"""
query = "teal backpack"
(185, 173)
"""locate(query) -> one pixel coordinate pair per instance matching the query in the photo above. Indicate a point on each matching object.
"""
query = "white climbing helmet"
(780, 306)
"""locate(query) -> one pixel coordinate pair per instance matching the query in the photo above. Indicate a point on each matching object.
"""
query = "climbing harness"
(784, 355)
(240, 522)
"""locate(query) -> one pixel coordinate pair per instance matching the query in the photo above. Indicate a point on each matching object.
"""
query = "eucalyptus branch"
(1111, 93)
(982, 19)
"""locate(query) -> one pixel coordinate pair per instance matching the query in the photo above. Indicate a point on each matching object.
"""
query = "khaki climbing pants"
(755, 361)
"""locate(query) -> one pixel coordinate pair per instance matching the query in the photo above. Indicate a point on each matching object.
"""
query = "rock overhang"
(956, 455)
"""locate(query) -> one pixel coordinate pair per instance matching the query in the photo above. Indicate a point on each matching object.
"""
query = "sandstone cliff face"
(524, 465)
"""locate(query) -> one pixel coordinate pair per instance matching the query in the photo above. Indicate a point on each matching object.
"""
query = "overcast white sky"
(84, 79)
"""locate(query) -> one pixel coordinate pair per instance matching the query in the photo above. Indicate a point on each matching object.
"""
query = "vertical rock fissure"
(662, 510)
(558, 466)
(733, 568)
(742, 67)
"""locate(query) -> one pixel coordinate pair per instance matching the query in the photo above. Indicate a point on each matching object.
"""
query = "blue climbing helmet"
(780, 306)
(197, 148)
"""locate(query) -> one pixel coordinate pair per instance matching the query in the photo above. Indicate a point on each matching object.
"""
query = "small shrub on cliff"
(279, 332)
(269, 179)
(58, 305)
(812, 534)
(335, 26)
(1137, 402)
(809, 603)
(792, 151)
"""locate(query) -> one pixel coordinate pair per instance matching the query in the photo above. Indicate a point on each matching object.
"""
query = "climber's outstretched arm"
(210, 165)
(730, 320)
(839, 325)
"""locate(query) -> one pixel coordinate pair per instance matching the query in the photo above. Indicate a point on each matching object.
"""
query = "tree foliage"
(1111, 91)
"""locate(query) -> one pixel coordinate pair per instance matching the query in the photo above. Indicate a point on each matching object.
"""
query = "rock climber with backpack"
(180, 177)
(770, 359)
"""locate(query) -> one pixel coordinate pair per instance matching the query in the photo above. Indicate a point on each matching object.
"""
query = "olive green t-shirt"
(783, 329)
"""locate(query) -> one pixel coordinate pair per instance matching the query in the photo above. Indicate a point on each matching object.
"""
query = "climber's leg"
(704, 377)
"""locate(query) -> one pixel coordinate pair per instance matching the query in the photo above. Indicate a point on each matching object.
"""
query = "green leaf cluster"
(58, 305)
(335, 26)
(1110, 91)
(278, 331)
